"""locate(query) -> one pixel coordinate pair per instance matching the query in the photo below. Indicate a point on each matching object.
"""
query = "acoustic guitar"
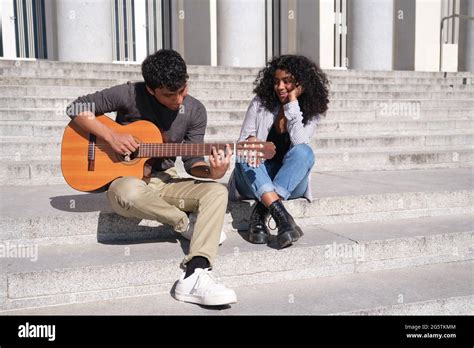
(89, 164)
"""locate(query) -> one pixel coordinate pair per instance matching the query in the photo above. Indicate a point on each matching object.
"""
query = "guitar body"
(107, 164)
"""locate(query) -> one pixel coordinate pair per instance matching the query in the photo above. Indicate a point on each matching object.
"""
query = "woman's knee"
(241, 167)
(303, 152)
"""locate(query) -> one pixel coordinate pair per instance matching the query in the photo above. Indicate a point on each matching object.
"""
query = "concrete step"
(228, 93)
(60, 82)
(388, 106)
(416, 138)
(58, 114)
(422, 140)
(57, 214)
(329, 125)
(47, 171)
(338, 114)
(52, 275)
(216, 81)
(39, 63)
(337, 84)
(401, 95)
(117, 67)
(31, 172)
(396, 73)
(437, 289)
(340, 86)
(217, 115)
(362, 77)
(42, 128)
(385, 106)
(45, 64)
(394, 159)
(115, 75)
(135, 67)
(28, 147)
(223, 92)
(206, 87)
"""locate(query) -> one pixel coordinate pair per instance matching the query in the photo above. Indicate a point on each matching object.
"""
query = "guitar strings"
(170, 147)
(189, 149)
(175, 146)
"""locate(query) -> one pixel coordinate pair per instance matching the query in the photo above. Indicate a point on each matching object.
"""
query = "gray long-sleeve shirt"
(132, 102)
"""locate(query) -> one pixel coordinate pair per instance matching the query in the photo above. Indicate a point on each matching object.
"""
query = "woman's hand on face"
(295, 93)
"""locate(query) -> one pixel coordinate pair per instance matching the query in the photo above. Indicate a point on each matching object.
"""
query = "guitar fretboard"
(173, 150)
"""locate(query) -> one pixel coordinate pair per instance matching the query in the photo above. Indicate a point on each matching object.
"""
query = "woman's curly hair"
(314, 99)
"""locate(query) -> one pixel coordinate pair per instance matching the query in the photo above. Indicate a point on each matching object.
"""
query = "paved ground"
(426, 290)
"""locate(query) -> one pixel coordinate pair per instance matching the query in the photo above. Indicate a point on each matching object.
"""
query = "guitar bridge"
(91, 153)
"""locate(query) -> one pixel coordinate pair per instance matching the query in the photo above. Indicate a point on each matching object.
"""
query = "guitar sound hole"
(128, 159)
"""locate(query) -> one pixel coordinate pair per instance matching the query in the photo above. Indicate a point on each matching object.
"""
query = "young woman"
(291, 94)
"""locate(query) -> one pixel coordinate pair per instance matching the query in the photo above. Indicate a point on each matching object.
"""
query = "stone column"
(84, 30)
(370, 34)
(241, 33)
(7, 26)
(466, 40)
(427, 27)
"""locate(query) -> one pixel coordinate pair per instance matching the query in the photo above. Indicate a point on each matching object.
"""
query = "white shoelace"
(206, 278)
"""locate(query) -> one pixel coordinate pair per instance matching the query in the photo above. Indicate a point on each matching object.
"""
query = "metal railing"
(463, 17)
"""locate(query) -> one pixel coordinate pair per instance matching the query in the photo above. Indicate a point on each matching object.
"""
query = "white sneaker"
(201, 288)
(190, 229)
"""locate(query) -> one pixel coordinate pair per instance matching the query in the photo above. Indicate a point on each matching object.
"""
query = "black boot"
(258, 231)
(288, 231)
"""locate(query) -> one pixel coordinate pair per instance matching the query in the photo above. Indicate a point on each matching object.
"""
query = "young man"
(162, 99)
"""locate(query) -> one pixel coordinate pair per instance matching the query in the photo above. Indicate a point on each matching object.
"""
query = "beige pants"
(166, 198)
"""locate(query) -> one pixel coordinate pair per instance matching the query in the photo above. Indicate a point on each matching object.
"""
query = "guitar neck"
(175, 149)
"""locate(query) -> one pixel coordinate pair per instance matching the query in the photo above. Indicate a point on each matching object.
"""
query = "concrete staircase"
(393, 208)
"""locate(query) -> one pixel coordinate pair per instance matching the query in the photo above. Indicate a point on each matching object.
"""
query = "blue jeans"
(288, 179)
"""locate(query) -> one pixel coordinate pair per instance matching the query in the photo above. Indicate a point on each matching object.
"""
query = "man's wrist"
(107, 135)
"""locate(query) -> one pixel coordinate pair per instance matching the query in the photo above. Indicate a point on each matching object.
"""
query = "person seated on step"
(291, 94)
(193, 208)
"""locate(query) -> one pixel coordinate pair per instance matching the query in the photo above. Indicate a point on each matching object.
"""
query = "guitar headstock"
(255, 152)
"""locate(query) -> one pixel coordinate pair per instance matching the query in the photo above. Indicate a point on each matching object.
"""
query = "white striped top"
(258, 122)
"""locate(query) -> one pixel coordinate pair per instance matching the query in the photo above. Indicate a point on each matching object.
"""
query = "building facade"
(337, 34)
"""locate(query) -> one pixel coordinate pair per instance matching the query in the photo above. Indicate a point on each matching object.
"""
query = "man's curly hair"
(164, 68)
(314, 99)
